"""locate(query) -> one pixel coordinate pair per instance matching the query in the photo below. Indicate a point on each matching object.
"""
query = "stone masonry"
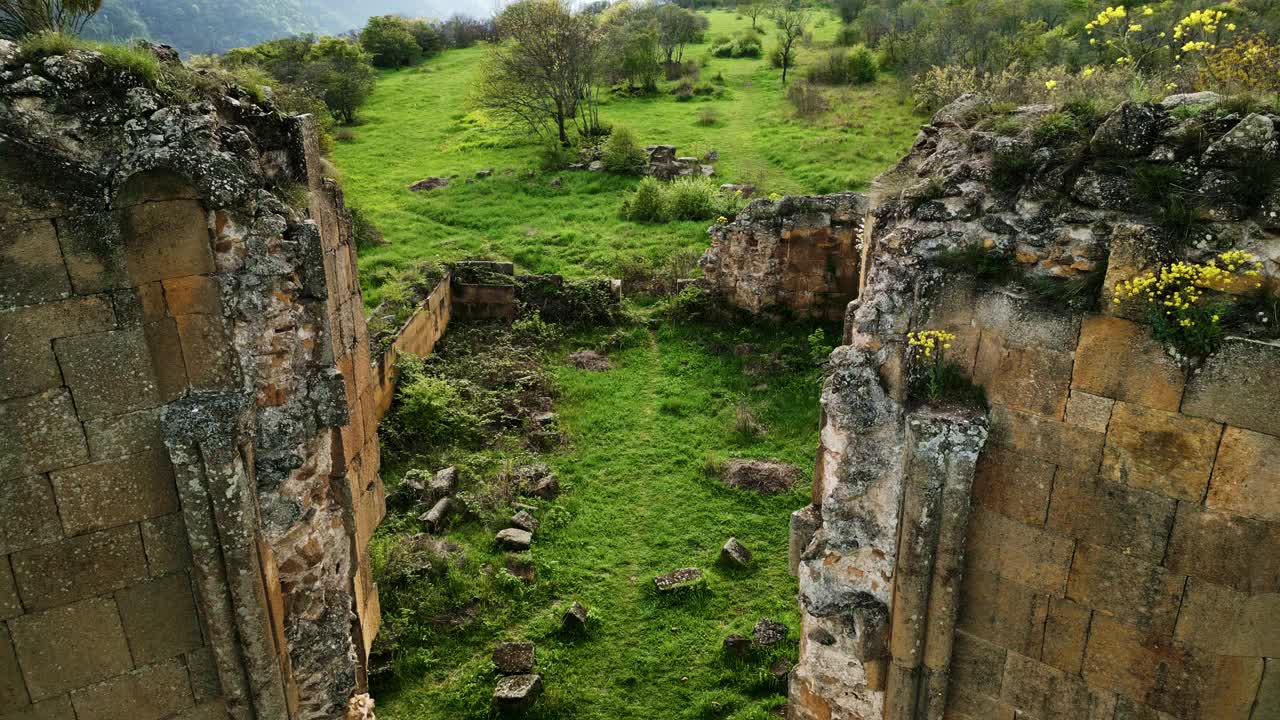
(1103, 543)
(188, 482)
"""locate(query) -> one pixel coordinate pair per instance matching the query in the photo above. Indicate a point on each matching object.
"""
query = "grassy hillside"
(639, 502)
(418, 124)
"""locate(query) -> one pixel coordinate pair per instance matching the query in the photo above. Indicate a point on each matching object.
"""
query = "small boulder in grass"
(591, 361)
(444, 483)
(678, 580)
(763, 476)
(735, 555)
(524, 521)
(514, 539)
(768, 633)
(575, 618)
(513, 658)
(780, 668)
(435, 518)
(737, 646)
(517, 693)
(547, 488)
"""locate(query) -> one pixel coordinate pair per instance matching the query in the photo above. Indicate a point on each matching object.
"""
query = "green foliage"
(621, 153)
(1057, 129)
(819, 348)
(1010, 169)
(686, 198)
(744, 45)
(364, 230)
(391, 42)
(20, 19)
(989, 266)
(646, 203)
(853, 66)
(135, 61)
(432, 409)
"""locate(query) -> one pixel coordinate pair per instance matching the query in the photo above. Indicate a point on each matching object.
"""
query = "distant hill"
(214, 26)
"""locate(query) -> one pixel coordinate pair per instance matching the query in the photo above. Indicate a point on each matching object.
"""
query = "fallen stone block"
(677, 580)
(513, 658)
(514, 539)
(768, 633)
(435, 518)
(737, 646)
(763, 476)
(575, 618)
(524, 521)
(517, 693)
(735, 554)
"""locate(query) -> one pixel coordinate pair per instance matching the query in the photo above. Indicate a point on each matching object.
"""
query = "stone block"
(208, 352)
(1246, 475)
(28, 514)
(205, 685)
(40, 433)
(192, 295)
(167, 239)
(10, 605)
(70, 647)
(977, 665)
(1227, 622)
(1038, 690)
(1169, 676)
(58, 708)
(965, 704)
(1032, 380)
(28, 366)
(1013, 485)
(115, 492)
(148, 693)
(1160, 451)
(13, 689)
(1002, 612)
(93, 249)
(1118, 359)
(214, 710)
(109, 373)
(123, 435)
(31, 268)
(79, 567)
(165, 541)
(167, 361)
(1127, 709)
(1037, 559)
(1135, 249)
(1225, 549)
(1238, 385)
(1054, 442)
(1024, 323)
(1065, 632)
(1106, 513)
(159, 618)
(1137, 592)
(1088, 411)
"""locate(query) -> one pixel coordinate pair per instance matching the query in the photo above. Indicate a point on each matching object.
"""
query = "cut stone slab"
(435, 518)
(678, 580)
(443, 484)
(591, 361)
(768, 633)
(524, 521)
(575, 618)
(513, 539)
(547, 489)
(735, 554)
(763, 476)
(517, 693)
(513, 658)
(737, 646)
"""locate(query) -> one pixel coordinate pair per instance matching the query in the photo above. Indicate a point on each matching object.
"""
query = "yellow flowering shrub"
(1128, 37)
(1250, 63)
(1186, 301)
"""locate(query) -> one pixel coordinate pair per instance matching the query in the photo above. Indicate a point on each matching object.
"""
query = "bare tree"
(754, 9)
(678, 27)
(543, 72)
(792, 20)
(20, 18)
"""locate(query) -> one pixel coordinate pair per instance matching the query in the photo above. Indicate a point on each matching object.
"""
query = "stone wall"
(1103, 542)
(187, 486)
(799, 255)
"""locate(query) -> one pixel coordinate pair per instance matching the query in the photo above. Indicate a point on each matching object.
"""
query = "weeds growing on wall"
(934, 379)
(1186, 303)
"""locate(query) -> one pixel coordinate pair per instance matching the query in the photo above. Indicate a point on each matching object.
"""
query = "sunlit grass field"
(419, 123)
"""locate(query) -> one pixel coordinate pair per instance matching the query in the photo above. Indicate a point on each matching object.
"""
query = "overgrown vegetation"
(936, 380)
(687, 198)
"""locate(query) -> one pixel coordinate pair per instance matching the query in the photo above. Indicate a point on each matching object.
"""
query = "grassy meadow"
(418, 123)
(638, 501)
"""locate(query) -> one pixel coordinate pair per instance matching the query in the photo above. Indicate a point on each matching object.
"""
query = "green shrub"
(1057, 129)
(554, 156)
(645, 204)
(691, 199)
(854, 66)
(364, 231)
(807, 99)
(432, 409)
(847, 36)
(622, 154)
(708, 116)
(683, 91)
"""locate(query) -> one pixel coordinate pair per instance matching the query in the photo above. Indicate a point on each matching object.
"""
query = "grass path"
(640, 503)
(418, 124)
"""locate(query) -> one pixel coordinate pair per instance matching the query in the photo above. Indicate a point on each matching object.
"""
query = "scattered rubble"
(575, 618)
(768, 633)
(524, 521)
(677, 580)
(517, 693)
(591, 361)
(435, 518)
(735, 554)
(431, 183)
(513, 658)
(514, 539)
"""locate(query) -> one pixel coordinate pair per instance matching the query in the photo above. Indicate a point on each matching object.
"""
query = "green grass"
(418, 124)
(639, 502)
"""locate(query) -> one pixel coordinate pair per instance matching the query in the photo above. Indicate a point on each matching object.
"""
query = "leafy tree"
(754, 9)
(848, 9)
(678, 27)
(792, 21)
(543, 73)
(341, 71)
(20, 18)
(428, 37)
(390, 40)
(631, 32)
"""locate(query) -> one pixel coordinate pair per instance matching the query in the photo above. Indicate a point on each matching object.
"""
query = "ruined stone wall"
(1102, 543)
(799, 255)
(186, 484)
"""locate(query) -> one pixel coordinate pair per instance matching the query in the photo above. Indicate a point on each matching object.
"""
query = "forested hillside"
(218, 25)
